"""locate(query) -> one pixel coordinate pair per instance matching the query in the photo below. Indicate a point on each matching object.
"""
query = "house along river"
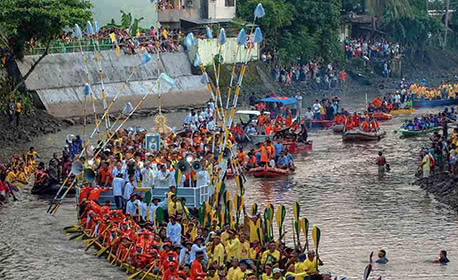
(336, 185)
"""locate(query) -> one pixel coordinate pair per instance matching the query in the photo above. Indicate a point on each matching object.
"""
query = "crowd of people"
(441, 155)
(358, 47)
(152, 40)
(444, 91)
(16, 174)
(320, 76)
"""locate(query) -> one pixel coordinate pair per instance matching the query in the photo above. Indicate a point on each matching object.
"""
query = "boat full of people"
(422, 125)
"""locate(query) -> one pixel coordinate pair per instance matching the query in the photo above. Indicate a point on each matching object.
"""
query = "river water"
(336, 185)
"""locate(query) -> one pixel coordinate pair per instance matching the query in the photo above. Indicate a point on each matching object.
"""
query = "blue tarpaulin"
(282, 100)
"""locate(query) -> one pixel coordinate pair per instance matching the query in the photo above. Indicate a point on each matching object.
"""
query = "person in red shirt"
(94, 194)
(196, 267)
(171, 272)
(105, 178)
(84, 192)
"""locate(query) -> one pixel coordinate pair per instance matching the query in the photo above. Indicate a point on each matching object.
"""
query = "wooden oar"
(316, 235)
(305, 229)
(103, 249)
(127, 255)
(93, 240)
(149, 269)
(367, 271)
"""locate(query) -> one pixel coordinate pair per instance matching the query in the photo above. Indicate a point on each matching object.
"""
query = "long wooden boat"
(358, 135)
(338, 128)
(403, 111)
(413, 133)
(382, 116)
(434, 103)
(268, 172)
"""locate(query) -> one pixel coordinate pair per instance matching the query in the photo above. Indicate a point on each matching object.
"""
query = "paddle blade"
(296, 211)
(254, 209)
(159, 215)
(316, 234)
(278, 216)
(101, 251)
(305, 226)
(132, 276)
(367, 271)
(77, 236)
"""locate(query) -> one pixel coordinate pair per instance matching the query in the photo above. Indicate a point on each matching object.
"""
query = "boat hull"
(322, 123)
(297, 147)
(414, 133)
(358, 135)
(338, 128)
(382, 116)
(403, 111)
(268, 172)
(434, 103)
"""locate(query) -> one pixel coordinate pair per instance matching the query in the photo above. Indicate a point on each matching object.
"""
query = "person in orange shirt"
(241, 157)
(271, 148)
(349, 125)
(265, 154)
(252, 163)
(356, 119)
(289, 120)
(365, 125)
(374, 125)
(261, 120)
(268, 129)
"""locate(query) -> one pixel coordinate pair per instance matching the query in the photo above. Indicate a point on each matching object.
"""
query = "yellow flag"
(112, 37)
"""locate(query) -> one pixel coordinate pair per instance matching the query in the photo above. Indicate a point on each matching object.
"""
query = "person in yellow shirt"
(234, 273)
(216, 252)
(300, 267)
(245, 247)
(233, 246)
(271, 256)
(172, 206)
(18, 110)
(267, 275)
(225, 234)
(211, 274)
(312, 263)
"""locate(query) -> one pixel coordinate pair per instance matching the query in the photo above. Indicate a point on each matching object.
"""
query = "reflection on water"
(336, 185)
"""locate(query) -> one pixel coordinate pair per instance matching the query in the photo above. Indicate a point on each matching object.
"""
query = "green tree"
(41, 21)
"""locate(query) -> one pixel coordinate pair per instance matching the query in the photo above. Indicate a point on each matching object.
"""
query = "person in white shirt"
(130, 207)
(173, 180)
(129, 188)
(198, 247)
(316, 109)
(153, 206)
(174, 231)
(118, 187)
(203, 178)
(162, 180)
(141, 208)
(148, 176)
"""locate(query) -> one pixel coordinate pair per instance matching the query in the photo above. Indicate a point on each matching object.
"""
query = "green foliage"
(298, 29)
(413, 32)
(40, 20)
(128, 22)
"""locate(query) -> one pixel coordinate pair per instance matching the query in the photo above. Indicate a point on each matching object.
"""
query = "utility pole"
(447, 4)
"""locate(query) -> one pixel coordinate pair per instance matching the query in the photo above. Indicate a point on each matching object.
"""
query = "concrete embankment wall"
(59, 79)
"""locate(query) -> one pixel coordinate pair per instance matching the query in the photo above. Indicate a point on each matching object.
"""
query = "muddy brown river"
(336, 185)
